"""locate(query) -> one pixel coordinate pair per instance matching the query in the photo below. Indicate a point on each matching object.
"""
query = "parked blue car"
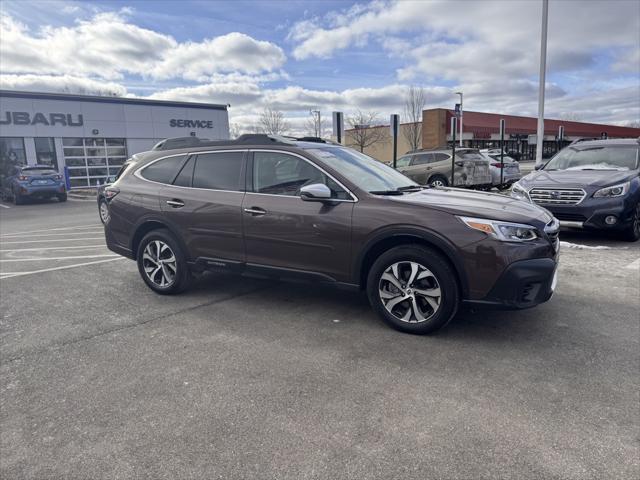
(35, 181)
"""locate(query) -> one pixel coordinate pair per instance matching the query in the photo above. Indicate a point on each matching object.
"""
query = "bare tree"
(633, 124)
(414, 103)
(234, 131)
(363, 134)
(273, 122)
(315, 125)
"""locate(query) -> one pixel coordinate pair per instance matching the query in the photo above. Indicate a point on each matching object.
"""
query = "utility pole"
(461, 114)
(543, 71)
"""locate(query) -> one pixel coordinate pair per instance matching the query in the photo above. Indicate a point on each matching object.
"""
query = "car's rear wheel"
(103, 210)
(17, 198)
(438, 181)
(413, 289)
(62, 197)
(162, 263)
(632, 233)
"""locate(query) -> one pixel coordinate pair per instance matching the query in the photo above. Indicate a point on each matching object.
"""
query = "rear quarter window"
(164, 170)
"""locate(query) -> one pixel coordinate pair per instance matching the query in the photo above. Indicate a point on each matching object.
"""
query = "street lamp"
(460, 93)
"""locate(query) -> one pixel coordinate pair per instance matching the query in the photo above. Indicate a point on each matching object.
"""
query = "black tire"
(441, 272)
(182, 276)
(632, 233)
(62, 197)
(438, 181)
(104, 215)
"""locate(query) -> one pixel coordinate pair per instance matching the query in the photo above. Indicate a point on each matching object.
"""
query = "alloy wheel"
(410, 292)
(104, 212)
(159, 263)
(437, 183)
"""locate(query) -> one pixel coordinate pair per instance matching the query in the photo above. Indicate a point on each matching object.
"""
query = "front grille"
(570, 217)
(554, 196)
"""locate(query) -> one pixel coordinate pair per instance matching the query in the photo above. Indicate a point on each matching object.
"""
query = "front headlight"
(519, 192)
(613, 191)
(504, 231)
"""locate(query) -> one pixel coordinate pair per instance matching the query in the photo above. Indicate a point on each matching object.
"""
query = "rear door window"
(163, 171)
(421, 159)
(440, 157)
(186, 174)
(218, 171)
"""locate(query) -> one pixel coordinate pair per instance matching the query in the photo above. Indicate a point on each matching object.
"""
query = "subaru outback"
(317, 211)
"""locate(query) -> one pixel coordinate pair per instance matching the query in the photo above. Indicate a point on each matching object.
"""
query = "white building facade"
(93, 136)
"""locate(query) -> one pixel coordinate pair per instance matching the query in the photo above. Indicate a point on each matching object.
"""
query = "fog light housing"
(610, 220)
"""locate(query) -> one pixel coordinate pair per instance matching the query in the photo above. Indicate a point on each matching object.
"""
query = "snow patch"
(577, 246)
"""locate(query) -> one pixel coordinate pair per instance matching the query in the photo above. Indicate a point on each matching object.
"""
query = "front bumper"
(523, 284)
(592, 212)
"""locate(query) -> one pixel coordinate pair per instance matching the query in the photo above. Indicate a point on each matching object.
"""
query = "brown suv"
(314, 210)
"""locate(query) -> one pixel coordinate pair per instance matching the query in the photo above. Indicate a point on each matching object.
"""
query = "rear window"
(163, 171)
(39, 171)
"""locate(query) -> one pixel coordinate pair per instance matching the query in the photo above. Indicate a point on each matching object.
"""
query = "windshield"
(595, 158)
(363, 171)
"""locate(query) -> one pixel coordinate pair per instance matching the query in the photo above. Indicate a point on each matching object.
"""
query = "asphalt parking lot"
(244, 378)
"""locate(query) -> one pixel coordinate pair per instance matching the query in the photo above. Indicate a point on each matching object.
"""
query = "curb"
(81, 197)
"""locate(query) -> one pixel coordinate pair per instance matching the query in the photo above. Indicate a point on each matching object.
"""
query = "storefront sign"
(25, 118)
(180, 123)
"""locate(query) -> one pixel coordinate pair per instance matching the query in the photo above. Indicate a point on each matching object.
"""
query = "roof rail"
(246, 139)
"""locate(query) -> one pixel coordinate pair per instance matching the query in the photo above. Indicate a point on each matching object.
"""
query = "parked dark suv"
(319, 211)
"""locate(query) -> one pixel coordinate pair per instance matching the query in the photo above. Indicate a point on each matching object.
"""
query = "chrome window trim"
(285, 152)
(138, 173)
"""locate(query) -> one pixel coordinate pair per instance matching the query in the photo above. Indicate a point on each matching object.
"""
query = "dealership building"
(93, 136)
(482, 130)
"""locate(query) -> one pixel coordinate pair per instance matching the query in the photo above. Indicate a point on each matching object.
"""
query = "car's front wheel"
(632, 233)
(103, 210)
(162, 263)
(414, 289)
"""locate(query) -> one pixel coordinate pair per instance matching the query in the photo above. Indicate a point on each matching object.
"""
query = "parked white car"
(511, 173)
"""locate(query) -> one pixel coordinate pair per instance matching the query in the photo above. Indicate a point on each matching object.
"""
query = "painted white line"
(4, 206)
(4, 275)
(93, 225)
(39, 249)
(634, 265)
(46, 259)
(53, 240)
(28, 235)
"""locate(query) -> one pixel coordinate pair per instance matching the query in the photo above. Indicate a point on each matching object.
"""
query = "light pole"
(460, 93)
(543, 71)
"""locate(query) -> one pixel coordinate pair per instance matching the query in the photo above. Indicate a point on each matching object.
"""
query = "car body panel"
(423, 166)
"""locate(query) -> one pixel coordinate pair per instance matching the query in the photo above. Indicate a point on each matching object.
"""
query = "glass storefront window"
(12, 153)
(102, 156)
(46, 152)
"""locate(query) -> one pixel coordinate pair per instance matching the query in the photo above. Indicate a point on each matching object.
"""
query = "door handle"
(175, 203)
(255, 211)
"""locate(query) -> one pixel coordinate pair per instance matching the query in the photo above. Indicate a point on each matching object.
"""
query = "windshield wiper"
(399, 190)
(408, 188)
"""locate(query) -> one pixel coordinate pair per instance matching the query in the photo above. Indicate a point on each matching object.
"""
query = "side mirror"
(539, 166)
(316, 192)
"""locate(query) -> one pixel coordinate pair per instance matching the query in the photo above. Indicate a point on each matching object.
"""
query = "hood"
(577, 178)
(477, 204)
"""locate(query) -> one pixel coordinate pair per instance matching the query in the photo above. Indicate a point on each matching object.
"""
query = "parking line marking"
(4, 275)
(93, 225)
(634, 265)
(75, 247)
(46, 259)
(53, 240)
(27, 235)
(4, 206)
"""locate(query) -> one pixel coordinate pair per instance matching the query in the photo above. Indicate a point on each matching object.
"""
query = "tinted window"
(421, 159)
(163, 171)
(439, 157)
(403, 161)
(38, 171)
(218, 171)
(186, 174)
(282, 174)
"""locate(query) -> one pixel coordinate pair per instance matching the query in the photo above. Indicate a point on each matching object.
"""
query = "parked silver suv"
(433, 167)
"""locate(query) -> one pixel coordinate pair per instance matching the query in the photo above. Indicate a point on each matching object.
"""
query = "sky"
(329, 55)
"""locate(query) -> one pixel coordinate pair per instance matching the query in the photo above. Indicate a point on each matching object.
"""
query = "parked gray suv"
(312, 210)
(433, 167)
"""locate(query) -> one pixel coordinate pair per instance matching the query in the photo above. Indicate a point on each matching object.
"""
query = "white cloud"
(61, 84)
(110, 47)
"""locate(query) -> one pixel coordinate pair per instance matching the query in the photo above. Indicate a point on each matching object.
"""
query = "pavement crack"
(132, 325)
